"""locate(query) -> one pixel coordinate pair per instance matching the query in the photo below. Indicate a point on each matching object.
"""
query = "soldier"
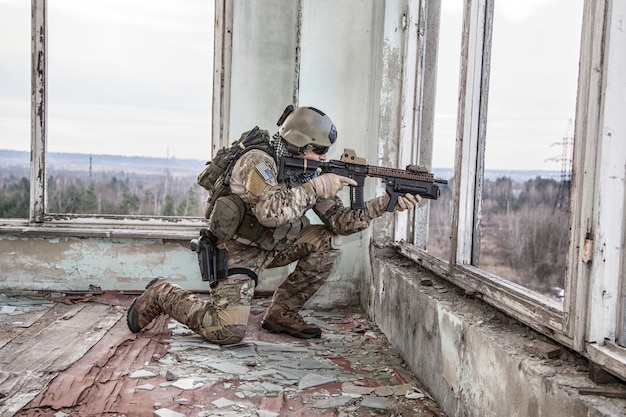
(280, 235)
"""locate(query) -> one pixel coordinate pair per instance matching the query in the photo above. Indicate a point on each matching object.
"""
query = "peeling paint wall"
(264, 63)
(75, 264)
(356, 81)
(385, 150)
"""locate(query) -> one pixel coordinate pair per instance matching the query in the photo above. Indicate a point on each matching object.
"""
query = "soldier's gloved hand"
(405, 202)
(328, 185)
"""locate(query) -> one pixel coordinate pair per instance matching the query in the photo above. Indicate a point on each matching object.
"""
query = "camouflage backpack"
(215, 177)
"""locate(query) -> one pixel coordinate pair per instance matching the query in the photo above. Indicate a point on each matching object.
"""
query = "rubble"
(352, 369)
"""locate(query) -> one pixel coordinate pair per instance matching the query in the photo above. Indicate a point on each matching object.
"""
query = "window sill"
(168, 228)
(539, 312)
(610, 356)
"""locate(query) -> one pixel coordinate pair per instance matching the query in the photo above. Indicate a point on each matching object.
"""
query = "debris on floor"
(168, 371)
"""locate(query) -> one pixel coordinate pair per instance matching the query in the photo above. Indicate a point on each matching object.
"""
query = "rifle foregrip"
(393, 199)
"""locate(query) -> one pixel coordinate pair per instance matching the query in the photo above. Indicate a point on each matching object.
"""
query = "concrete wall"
(470, 357)
(264, 74)
(303, 51)
(77, 263)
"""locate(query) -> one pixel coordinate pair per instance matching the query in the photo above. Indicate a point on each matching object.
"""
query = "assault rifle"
(413, 180)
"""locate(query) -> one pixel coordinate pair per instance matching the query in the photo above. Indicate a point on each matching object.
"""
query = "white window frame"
(42, 223)
(591, 319)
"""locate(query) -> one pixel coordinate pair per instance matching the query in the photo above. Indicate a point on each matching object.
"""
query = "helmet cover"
(308, 127)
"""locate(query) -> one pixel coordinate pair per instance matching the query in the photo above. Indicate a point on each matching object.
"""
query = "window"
(529, 138)
(538, 193)
(446, 100)
(129, 106)
(14, 109)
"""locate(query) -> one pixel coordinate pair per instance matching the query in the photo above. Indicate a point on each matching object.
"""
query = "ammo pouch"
(230, 220)
(213, 170)
(226, 216)
(267, 238)
(220, 190)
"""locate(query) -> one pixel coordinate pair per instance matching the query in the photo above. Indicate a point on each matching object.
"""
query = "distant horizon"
(107, 154)
(493, 172)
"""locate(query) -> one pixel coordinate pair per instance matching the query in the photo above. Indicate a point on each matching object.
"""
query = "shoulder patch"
(255, 184)
(264, 171)
(260, 170)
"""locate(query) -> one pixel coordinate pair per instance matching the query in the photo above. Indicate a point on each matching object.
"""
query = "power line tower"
(567, 154)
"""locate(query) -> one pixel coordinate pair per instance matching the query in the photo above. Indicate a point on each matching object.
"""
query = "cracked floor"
(66, 355)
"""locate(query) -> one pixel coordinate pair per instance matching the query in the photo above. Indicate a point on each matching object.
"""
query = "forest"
(524, 231)
(107, 193)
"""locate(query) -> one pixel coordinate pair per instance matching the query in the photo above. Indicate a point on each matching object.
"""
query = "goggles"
(320, 150)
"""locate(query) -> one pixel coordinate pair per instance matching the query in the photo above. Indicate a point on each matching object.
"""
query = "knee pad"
(227, 326)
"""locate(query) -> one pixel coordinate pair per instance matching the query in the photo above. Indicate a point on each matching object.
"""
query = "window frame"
(586, 321)
(40, 222)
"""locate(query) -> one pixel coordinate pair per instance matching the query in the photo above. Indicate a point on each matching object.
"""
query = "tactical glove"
(408, 201)
(405, 202)
(328, 185)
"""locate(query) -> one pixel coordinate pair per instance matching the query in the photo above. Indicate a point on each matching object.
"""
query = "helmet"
(306, 127)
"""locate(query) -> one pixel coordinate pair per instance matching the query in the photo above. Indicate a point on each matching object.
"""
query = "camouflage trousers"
(223, 318)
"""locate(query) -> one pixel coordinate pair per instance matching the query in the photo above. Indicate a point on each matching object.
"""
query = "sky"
(532, 87)
(135, 78)
(125, 77)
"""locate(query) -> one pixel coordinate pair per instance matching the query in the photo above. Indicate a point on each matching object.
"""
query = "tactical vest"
(231, 218)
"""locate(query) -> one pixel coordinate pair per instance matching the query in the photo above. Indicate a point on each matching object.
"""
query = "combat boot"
(278, 319)
(146, 307)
